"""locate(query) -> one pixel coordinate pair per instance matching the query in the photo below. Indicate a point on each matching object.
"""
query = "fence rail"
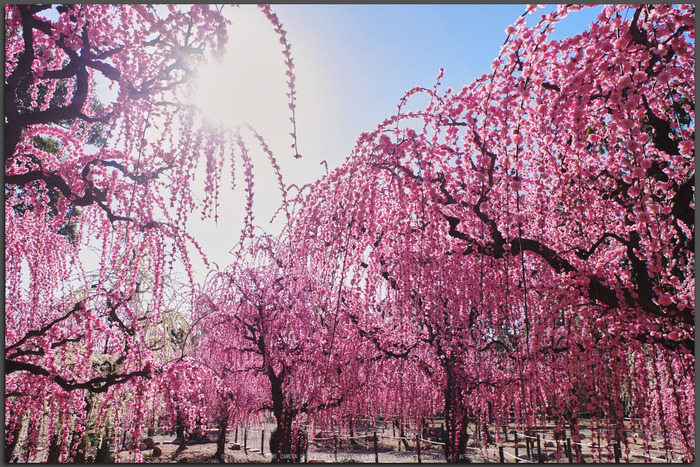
(508, 450)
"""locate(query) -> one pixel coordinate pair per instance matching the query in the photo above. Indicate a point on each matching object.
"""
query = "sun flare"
(246, 86)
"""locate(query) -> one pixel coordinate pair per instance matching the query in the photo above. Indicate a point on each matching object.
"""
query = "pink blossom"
(638, 172)
(634, 191)
(639, 76)
(665, 300)
(644, 217)
(687, 147)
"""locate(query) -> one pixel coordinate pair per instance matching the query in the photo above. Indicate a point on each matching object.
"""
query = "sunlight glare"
(249, 85)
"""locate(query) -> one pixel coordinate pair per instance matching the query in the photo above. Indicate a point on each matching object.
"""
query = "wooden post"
(568, 451)
(335, 447)
(617, 450)
(539, 449)
(516, 453)
(236, 435)
(376, 449)
(262, 443)
(527, 445)
(418, 446)
(505, 432)
(500, 454)
(245, 440)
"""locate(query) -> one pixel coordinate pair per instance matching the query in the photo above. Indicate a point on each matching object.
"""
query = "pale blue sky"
(374, 53)
(355, 62)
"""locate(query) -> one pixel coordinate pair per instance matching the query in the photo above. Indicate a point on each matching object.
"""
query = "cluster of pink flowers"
(522, 244)
(291, 77)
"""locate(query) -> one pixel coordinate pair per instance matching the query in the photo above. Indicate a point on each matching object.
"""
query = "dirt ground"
(388, 451)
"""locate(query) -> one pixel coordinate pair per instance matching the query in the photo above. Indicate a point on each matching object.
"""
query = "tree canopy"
(519, 249)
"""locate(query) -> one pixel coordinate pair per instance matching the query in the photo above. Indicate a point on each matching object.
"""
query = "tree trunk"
(285, 440)
(402, 434)
(352, 433)
(102, 456)
(54, 448)
(10, 447)
(180, 432)
(82, 445)
(456, 419)
(221, 440)
(574, 429)
(487, 434)
(283, 446)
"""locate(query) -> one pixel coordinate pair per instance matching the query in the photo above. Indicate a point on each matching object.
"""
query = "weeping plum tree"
(278, 322)
(115, 178)
(423, 312)
(539, 220)
(232, 394)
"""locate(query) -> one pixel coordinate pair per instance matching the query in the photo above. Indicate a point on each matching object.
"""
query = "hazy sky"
(353, 64)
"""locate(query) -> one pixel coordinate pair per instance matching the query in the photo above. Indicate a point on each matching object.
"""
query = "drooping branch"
(43, 330)
(583, 254)
(596, 290)
(384, 352)
(92, 194)
(681, 205)
(95, 385)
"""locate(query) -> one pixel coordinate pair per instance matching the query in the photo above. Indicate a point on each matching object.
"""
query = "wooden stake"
(418, 447)
(376, 449)
(527, 446)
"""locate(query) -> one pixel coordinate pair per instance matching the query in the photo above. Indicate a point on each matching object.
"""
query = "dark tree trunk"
(102, 456)
(54, 448)
(402, 435)
(576, 447)
(82, 445)
(489, 437)
(10, 447)
(352, 433)
(456, 419)
(180, 432)
(221, 440)
(284, 443)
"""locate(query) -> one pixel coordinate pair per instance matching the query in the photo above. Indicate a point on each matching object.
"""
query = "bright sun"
(249, 85)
